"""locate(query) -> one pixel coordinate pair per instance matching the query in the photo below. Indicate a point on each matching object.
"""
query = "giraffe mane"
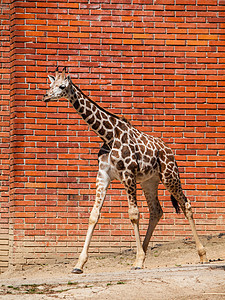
(122, 118)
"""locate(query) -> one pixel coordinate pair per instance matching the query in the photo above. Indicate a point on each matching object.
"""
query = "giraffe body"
(129, 156)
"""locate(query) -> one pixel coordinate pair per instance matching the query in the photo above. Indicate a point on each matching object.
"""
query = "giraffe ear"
(52, 78)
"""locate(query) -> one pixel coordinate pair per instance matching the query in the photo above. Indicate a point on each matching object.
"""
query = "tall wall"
(4, 132)
(161, 65)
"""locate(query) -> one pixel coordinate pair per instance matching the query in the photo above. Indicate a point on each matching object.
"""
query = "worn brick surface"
(4, 133)
(161, 65)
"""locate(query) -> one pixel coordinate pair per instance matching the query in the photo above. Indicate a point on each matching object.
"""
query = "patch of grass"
(29, 285)
(120, 282)
(100, 257)
(13, 287)
(72, 283)
(32, 289)
(178, 265)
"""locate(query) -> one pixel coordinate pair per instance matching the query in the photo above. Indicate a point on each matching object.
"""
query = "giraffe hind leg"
(150, 189)
(173, 185)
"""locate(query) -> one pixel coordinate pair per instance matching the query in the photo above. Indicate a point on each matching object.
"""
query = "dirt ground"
(171, 272)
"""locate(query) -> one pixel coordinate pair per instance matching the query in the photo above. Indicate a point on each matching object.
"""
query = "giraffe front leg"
(103, 181)
(140, 255)
(93, 219)
(134, 217)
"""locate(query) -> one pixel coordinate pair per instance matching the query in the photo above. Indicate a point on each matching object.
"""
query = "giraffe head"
(58, 86)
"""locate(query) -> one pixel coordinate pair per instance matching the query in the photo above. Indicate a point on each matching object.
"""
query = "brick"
(205, 2)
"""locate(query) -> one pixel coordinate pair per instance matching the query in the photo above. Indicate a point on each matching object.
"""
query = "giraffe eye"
(62, 86)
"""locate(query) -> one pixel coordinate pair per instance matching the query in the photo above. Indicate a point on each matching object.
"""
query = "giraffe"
(131, 157)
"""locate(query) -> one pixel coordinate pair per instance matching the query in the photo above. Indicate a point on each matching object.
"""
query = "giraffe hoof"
(77, 271)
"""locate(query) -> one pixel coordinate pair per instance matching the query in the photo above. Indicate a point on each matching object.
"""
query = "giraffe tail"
(175, 204)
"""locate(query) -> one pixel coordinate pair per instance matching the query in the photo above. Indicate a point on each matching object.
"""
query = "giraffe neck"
(101, 121)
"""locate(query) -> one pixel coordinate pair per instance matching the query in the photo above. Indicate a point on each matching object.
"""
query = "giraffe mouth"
(46, 99)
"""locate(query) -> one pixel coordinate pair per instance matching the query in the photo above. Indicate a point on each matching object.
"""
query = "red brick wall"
(162, 66)
(4, 132)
